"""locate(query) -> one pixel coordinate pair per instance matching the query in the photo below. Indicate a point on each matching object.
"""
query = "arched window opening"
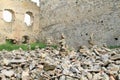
(28, 19)
(37, 2)
(25, 39)
(8, 15)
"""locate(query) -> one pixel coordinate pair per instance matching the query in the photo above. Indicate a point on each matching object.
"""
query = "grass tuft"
(9, 46)
(113, 47)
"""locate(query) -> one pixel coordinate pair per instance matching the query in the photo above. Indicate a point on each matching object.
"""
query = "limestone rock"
(62, 77)
(115, 57)
(83, 78)
(104, 76)
(89, 76)
(17, 61)
(6, 62)
(8, 73)
(70, 78)
(118, 77)
(48, 64)
(48, 67)
(113, 67)
(111, 77)
(25, 75)
(97, 76)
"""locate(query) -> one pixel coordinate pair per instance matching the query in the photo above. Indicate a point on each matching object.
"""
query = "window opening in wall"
(37, 2)
(8, 15)
(25, 39)
(28, 19)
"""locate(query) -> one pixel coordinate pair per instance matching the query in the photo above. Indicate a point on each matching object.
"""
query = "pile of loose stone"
(94, 63)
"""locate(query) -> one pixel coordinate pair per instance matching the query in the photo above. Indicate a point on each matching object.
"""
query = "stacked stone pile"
(94, 63)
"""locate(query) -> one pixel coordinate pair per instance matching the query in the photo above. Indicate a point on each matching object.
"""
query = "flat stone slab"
(115, 57)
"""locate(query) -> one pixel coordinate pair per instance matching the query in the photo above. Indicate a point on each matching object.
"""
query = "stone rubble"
(94, 63)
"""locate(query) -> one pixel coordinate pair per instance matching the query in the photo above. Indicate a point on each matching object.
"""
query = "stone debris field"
(94, 63)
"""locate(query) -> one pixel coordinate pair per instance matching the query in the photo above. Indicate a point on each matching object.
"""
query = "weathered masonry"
(18, 18)
(78, 19)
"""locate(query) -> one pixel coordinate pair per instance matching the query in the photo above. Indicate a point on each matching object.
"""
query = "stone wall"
(78, 19)
(17, 28)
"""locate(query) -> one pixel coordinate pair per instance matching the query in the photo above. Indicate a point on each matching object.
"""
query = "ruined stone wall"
(17, 28)
(78, 19)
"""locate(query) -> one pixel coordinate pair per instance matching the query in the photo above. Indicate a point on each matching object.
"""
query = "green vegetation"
(9, 46)
(113, 47)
